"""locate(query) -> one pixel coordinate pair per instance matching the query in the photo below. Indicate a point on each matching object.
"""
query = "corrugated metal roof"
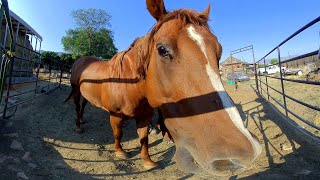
(15, 19)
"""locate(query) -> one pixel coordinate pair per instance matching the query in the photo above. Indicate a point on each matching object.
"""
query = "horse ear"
(205, 14)
(156, 8)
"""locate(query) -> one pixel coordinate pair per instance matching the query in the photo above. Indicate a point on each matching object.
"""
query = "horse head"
(183, 80)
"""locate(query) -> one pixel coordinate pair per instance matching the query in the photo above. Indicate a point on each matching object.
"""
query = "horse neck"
(122, 70)
(125, 64)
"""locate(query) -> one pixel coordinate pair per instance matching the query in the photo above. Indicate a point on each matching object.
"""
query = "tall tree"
(274, 61)
(67, 59)
(92, 35)
(48, 56)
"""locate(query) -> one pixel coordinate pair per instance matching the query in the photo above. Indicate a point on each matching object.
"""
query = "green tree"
(48, 56)
(274, 61)
(92, 36)
(104, 46)
(67, 59)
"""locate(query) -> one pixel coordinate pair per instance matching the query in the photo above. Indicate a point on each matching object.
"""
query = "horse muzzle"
(217, 167)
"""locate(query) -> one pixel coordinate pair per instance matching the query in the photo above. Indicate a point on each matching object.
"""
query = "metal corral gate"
(23, 75)
(264, 87)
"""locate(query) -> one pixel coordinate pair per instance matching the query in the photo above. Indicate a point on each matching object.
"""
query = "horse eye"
(163, 51)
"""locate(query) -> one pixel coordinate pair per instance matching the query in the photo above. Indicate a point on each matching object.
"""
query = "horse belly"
(92, 93)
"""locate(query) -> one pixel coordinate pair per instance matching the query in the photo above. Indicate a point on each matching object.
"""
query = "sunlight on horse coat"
(173, 68)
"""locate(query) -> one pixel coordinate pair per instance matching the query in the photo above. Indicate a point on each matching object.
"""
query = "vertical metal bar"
(38, 69)
(29, 53)
(265, 69)
(11, 71)
(23, 51)
(49, 74)
(35, 47)
(282, 86)
(260, 79)
(60, 64)
(17, 36)
(1, 17)
(8, 88)
(5, 36)
(255, 68)
(33, 54)
(234, 79)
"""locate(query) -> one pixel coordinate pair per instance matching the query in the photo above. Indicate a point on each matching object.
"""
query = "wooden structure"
(231, 64)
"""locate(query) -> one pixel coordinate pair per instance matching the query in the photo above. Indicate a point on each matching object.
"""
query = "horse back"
(80, 66)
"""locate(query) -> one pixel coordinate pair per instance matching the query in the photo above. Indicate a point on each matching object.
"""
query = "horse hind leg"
(76, 97)
(84, 103)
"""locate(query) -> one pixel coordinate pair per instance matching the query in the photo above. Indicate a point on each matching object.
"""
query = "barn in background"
(229, 65)
(306, 64)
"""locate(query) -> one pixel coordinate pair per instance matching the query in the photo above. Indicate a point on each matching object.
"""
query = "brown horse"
(173, 68)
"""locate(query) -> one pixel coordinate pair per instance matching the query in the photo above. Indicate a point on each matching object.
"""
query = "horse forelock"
(184, 16)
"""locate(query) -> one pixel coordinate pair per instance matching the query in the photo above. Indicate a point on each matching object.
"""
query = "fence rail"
(263, 86)
(21, 65)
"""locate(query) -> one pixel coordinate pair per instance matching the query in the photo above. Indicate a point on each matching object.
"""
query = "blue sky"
(263, 24)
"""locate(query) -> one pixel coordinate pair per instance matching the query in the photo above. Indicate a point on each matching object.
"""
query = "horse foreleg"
(165, 132)
(84, 103)
(142, 127)
(116, 124)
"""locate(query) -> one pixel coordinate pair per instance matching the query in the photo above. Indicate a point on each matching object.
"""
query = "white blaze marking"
(226, 100)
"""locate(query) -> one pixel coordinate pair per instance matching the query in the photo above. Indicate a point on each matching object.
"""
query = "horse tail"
(69, 97)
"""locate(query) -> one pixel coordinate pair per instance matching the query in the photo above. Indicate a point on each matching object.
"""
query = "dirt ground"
(303, 92)
(45, 129)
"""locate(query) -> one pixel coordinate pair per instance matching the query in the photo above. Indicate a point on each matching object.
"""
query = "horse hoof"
(79, 130)
(153, 131)
(121, 155)
(149, 165)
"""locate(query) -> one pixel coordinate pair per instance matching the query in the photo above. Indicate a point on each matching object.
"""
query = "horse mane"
(139, 46)
(118, 59)
(185, 17)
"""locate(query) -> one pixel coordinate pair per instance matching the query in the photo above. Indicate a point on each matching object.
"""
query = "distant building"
(303, 62)
(229, 65)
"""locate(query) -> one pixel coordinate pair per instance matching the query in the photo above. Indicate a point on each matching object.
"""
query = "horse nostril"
(225, 166)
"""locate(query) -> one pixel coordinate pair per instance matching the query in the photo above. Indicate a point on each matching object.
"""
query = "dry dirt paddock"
(50, 148)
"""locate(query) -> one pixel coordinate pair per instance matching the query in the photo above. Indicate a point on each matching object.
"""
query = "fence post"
(282, 86)
(60, 75)
(266, 75)
(12, 58)
(260, 79)
(255, 69)
(38, 70)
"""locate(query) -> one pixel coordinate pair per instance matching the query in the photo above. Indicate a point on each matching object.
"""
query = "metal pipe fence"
(264, 87)
(23, 74)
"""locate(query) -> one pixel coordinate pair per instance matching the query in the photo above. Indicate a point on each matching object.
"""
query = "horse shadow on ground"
(302, 162)
(47, 128)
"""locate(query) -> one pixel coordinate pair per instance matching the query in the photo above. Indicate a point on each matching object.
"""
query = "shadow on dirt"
(47, 130)
(304, 159)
